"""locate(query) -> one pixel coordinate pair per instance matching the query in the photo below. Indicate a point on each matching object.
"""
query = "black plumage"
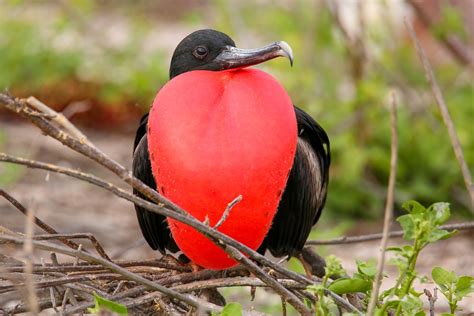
(305, 193)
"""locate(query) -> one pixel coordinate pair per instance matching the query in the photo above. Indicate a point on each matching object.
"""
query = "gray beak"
(232, 57)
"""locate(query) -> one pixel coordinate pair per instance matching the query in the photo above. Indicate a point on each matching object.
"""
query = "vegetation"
(344, 89)
(421, 227)
(342, 76)
(41, 55)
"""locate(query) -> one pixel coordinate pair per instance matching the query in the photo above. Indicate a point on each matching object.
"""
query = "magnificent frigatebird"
(304, 196)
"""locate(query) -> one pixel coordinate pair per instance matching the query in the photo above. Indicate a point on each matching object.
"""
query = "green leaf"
(464, 286)
(394, 249)
(408, 226)
(315, 288)
(102, 303)
(412, 305)
(413, 207)
(334, 266)
(440, 234)
(440, 212)
(443, 277)
(232, 309)
(349, 285)
(368, 268)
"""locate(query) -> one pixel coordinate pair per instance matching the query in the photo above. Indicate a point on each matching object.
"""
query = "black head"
(213, 50)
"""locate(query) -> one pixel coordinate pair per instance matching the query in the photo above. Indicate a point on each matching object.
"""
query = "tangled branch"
(54, 128)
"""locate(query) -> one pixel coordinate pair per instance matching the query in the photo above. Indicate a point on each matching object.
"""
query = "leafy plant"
(104, 304)
(454, 288)
(421, 226)
(230, 309)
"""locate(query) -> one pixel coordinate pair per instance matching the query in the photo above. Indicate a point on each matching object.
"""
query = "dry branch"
(37, 221)
(31, 298)
(388, 206)
(438, 95)
(371, 237)
(117, 269)
(156, 208)
(462, 52)
(164, 205)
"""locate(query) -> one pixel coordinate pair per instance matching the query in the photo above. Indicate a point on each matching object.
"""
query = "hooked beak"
(233, 57)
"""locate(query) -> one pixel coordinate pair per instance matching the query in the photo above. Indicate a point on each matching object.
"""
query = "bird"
(304, 195)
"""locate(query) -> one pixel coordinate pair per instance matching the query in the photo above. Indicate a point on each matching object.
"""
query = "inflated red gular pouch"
(213, 136)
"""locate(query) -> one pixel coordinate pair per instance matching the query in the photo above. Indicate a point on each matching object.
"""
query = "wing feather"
(305, 193)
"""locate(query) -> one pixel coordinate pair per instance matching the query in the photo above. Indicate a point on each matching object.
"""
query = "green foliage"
(451, 22)
(231, 309)
(41, 54)
(104, 304)
(454, 288)
(325, 305)
(421, 228)
(349, 285)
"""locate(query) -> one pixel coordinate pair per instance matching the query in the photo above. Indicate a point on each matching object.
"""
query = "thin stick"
(345, 240)
(67, 293)
(276, 286)
(31, 298)
(227, 211)
(432, 299)
(448, 122)
(163, 207)
(115, 268)
(98, 247)
(51, 290)
(231, 282)
(59, 119)
(458, 49)
(388, 207)
(66, 268)
(220, 238)
(37, 221)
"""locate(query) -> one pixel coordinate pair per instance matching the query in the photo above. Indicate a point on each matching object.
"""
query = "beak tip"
(286, 51)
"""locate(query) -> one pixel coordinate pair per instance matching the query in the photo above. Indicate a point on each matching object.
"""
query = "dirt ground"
(72, 206)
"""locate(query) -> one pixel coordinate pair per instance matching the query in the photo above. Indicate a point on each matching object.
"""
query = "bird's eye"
(200, 52)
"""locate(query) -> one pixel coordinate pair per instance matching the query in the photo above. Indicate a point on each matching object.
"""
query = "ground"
(71, 206)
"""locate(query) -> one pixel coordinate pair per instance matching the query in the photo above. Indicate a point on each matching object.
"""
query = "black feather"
(305, 193)
(154, 226)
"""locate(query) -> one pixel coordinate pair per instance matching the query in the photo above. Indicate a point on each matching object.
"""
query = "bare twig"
(438, 95)
(37, 221)
(59, 119)
(98, 247)
(163, 206)
(276, 286)
(65, 268)
(388, 207)
(163, 211)
(51, 291)
(31, 297)
(115, 268)
(67, 293)
(230, 282)
(53, 234)
(227, 211)
(371, 237)
(432, 299)
(456, 47)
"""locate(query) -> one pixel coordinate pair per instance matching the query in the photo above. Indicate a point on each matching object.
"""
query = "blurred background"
(102, 62)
